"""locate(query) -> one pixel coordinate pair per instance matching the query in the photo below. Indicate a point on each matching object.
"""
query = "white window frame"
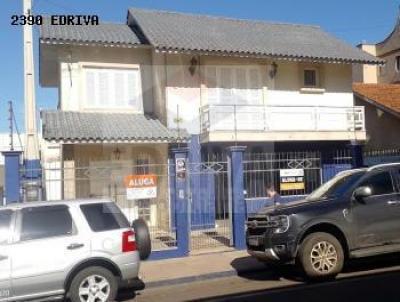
(110, 66)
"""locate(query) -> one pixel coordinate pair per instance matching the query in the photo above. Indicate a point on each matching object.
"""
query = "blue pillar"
(180, 209)
(357, 160)
(12, 175)
(235, 160)
(181, 200)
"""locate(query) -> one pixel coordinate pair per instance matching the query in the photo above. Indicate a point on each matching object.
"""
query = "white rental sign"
(141, 186)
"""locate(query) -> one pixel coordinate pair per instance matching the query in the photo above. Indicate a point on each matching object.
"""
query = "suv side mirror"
(362, 192)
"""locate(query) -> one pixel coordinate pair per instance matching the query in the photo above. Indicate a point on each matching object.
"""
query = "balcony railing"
(262, 118)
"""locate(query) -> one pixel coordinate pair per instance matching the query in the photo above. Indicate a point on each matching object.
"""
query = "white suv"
(84, 250)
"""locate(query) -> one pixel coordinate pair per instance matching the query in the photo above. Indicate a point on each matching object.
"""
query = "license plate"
(255, 241)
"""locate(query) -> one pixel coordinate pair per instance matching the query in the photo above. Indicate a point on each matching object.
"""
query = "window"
(45, 222)
(310, 78)
(5, 220)
(234, 85)
(397, 64)
(113, 88)
(104, 216)
(380, 183)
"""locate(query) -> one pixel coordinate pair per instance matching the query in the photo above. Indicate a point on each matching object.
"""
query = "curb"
(190, 279)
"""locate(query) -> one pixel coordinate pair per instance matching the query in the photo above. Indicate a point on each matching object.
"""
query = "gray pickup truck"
(356, 214)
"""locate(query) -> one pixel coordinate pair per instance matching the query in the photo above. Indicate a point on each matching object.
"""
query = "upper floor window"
(397, 63)
(113, 88)
(240, 85)
(310, 78)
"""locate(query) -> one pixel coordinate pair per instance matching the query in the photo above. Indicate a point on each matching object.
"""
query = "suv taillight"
(128, 242)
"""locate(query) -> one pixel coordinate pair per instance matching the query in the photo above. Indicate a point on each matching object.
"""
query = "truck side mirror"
(362, 192)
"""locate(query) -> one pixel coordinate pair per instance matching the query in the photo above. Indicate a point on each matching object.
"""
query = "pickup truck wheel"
(321, 256)
(93, 284)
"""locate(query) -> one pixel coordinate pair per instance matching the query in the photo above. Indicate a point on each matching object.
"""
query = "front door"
(47, 248)
(5, 261)
(376, 222)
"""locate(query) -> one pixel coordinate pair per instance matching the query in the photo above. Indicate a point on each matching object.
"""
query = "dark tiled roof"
(71, 126)
(385, 95)
(108, 33)
(187, 32)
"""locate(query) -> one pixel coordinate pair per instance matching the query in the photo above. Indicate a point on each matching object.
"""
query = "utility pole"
(31, 153)
(11, 125)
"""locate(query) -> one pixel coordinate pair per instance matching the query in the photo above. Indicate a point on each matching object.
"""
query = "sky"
(354, 21)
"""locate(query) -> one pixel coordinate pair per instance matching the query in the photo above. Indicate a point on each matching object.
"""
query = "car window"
(337, 186)
(380, 183)
(45, 222)
(5, 220)
(104, 216)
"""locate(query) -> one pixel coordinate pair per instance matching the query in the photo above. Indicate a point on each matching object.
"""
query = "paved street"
(372, 280)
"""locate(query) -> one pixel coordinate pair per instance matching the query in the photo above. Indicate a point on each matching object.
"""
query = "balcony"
(281, 123)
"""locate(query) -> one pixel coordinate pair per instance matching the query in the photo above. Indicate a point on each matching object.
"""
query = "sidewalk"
(196, 268)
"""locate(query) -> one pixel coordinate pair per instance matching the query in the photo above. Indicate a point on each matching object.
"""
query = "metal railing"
(281, 118)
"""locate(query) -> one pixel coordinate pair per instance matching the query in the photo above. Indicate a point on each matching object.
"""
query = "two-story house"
(377, 88)
(128, 92)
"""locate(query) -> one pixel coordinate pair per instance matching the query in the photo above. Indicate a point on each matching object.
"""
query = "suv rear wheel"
(95, 284)
(321, 256)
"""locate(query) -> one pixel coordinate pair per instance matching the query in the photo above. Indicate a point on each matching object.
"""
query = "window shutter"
(104, 89)
(90, 88)
(211, 83)
(241, 86)
(254, 87)
(119, 89)
(225, 79)
(132, 89)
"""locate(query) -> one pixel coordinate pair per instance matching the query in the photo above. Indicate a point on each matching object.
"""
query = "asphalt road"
(373, 279)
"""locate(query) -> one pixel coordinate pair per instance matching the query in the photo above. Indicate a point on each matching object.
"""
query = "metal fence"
(107, 181)
(265, 169)
(375, 157)
(210, 205)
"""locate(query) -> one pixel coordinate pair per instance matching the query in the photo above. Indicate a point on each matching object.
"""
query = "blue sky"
(350, 20)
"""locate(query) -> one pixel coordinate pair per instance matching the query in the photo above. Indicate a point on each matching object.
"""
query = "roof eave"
(298, 58)
(92, 43)
(377, 104)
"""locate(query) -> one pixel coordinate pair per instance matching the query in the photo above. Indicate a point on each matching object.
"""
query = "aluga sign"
(141, 186)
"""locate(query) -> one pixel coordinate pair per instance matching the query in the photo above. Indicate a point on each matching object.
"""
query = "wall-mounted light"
(193, 66)
(117, 153)
(273, 70)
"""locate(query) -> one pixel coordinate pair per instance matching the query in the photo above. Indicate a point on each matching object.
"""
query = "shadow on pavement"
(377, 286)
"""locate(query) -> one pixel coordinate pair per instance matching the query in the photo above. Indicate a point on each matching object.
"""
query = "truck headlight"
(281, 223)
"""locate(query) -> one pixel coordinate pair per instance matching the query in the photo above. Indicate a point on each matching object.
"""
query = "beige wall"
(189, 92)
(378, 123)
(175, 96)
(364, 73)
(95, 171)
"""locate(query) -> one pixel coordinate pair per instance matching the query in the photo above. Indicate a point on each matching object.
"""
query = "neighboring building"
(387, 50)
(130, 92)
(377, 88)
(382, 114)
